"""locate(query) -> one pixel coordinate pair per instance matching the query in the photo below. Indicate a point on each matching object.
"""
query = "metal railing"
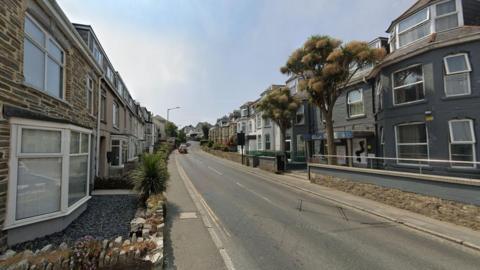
(455, 168)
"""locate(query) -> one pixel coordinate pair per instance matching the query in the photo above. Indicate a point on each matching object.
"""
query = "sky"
(211, 56)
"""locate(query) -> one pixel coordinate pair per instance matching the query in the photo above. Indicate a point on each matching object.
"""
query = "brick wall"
(14, 94)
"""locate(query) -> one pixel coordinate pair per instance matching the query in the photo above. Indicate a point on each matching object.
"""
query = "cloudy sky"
(211, 56)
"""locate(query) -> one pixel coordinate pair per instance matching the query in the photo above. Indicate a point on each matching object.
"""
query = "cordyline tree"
(280, 107)
(325, 67)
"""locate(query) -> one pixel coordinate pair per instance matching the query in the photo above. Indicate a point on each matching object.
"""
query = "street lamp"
(168, 112)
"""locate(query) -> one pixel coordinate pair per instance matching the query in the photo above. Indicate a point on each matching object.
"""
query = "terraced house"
(428, 89)
(60, 99)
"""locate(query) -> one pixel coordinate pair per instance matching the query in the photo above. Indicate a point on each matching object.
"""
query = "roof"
(414, 8)
(436, 40)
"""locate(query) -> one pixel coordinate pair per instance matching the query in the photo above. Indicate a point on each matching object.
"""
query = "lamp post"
(168, 112)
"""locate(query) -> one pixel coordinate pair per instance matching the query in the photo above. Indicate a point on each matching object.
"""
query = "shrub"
(210, 144)
(204, 142)
(151, 175)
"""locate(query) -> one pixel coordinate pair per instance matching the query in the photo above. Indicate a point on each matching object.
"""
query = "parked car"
(183, 149)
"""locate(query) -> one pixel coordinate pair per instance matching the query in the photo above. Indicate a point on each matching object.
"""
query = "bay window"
(43, 60)
(258, 121)
(355, 103)
(408, 85)
(412, 143)
(457, 75)
(462, 143)
(49, 170)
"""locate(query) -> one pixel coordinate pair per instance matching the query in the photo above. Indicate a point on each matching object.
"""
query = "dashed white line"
(213, 169)
(254, 192)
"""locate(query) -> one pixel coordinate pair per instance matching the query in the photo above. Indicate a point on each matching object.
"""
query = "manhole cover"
(188, 215)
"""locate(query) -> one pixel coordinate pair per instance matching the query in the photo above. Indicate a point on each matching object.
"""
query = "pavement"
(266, 221)
(188, 244)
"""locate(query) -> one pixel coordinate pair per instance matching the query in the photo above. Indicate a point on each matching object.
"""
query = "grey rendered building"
(428, 89)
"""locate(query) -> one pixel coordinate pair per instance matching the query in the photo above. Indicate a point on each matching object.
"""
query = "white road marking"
(213, 169)
(204, 210)
(255, 193)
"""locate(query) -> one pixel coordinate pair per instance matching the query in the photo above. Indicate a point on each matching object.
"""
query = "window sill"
(460, 97)
(349, 118)
(423, 101)
(46, 94)
(46, 217)
(117, 167)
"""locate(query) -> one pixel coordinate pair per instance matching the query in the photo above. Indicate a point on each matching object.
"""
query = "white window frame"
(406, 85)
(472, 143)
(427, 143)
(398, 32)
(448, 72)
(43, 48)
(110, 74)
(121, 141)
(267, 122)
(89, 90)
(353, 103)
(17, 124)
(458, 8)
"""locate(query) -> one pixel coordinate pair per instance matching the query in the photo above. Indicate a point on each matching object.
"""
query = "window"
(78, 173)
(43, 60)
(457, 75)
(408, 85)
(462, 142)
(120, 88)
(355, 103)
(258, 121)
(116, 114)
(300, 119)
(110, 74)
(379, 94)
(259, 142)
(244, 127)
(414, 27)
(97, 54)
(267, 142)
(244, 112)
(116, 153)
(446, 16)
(89, 94)
(48, 175)
(412, 143)
(267, 122)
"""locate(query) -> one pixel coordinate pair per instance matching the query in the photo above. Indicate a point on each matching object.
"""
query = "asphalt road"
(261, 227)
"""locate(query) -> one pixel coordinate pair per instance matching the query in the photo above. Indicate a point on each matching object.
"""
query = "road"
(260, 226)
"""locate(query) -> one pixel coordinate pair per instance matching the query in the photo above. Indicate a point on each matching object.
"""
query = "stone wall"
(16, 97)
(232, 156)
(268, 164)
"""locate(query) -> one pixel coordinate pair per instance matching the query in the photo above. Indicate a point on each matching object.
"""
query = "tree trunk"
(332, 151)
(282, 148)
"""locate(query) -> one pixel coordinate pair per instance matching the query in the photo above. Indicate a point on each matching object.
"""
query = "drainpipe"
(99, 107)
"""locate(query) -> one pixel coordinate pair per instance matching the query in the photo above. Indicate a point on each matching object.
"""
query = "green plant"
(210, 144)
(151, 176)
